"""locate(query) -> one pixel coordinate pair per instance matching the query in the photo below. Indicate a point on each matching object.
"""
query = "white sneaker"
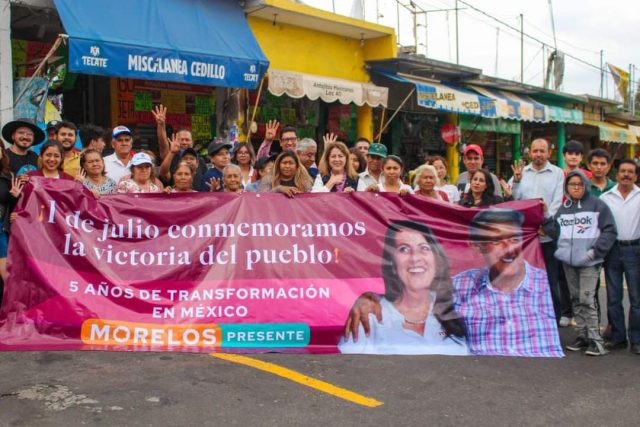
(564, 322)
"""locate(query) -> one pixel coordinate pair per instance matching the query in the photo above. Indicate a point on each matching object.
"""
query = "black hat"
(10, 128)
(573, 146)
(218, 144)
(189, 151)
(262, 161)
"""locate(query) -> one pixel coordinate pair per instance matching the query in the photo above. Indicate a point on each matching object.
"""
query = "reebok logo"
(582, 229)
(576, 221)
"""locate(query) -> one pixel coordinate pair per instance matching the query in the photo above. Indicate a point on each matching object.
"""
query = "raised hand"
(81, 174)
(16, 186)
(174, 144)
(517, 168)
(329, 138)
(271, 130)
(213, 184)
(160, 114)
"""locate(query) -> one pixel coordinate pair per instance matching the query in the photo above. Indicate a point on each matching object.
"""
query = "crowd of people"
(592, 221)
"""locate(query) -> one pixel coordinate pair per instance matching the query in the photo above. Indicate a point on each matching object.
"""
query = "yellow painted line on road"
(300, 379)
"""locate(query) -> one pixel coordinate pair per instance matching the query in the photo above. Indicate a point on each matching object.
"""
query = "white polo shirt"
(115, 168)
(625, 211)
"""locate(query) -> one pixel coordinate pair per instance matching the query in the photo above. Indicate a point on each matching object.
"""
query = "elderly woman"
(142, 176)
(232, 179)
(392, 168)
(52, 157)
(93, 174)
(245, 157)
(481, 191)
(336, 171)
(426, 181)
(183, 178)
(417, 306)
(289, 176)
(440, 164)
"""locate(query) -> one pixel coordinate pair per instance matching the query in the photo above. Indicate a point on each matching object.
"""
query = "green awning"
(564, 115)
(483, 124)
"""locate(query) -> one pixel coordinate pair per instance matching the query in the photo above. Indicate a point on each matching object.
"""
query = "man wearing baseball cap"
(22, 134)
(118, 164)
(52, 129)
(473, 157)
(220, 157)
(373, 174)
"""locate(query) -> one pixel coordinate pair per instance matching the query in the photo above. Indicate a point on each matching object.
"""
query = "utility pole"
(398, 16)
(521, 48)
(457, 36)
(495, 73)
(631, 109)
(601, 76)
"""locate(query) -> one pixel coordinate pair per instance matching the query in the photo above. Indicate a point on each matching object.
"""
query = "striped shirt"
(520, 323)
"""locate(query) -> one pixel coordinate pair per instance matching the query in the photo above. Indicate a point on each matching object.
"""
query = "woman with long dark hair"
(289, 176)
(417, 307)
(481, 191)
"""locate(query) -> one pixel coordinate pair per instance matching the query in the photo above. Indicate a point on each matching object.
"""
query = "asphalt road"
(169, 389)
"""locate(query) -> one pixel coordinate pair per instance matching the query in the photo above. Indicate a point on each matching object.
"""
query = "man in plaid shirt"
(507, 305)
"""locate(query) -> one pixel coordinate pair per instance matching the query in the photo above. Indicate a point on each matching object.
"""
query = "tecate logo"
(94, 60)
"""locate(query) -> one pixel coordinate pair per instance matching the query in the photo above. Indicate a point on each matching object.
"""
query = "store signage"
(450, 133)
(111, 59)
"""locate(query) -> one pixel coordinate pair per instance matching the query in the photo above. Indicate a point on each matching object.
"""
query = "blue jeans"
(623, 260)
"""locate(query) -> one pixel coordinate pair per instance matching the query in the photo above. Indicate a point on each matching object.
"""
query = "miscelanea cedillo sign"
(260, 272)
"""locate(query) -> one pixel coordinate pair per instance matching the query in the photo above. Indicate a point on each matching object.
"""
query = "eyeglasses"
(292, 139)
(575, 185)
(25, 132)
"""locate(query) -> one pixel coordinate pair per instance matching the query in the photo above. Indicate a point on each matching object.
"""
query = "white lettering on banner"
(157, 65)
(212, 71)
(251, 77)
(94, 62)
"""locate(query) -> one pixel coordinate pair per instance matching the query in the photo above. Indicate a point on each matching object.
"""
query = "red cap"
(473, 147)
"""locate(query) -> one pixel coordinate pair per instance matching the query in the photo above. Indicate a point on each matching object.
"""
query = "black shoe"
(596, 349)
(579, 344)
(635, 348)
(616, 345)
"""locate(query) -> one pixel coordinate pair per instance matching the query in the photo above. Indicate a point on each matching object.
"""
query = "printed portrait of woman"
(417, 306)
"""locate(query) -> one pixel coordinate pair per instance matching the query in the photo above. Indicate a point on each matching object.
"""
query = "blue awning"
(515, 106)
(205, 42)
(446, 97)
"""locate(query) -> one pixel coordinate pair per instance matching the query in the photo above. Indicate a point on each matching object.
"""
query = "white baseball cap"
(141, 159)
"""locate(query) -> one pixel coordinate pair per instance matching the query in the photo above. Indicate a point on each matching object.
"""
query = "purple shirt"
(520, 323)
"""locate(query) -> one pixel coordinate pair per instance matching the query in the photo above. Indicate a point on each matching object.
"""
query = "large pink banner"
(260, 272)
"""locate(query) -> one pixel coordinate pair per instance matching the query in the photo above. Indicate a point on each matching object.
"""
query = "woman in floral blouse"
(142, 176)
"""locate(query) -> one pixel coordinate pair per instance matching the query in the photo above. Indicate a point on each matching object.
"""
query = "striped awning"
(446, 97)
(613, 133)
(515, 106)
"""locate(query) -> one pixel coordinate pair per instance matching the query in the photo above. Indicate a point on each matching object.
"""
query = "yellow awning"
(613, 133)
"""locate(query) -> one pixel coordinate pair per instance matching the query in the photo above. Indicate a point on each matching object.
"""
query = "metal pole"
(601, 75)
(333, 2)
(426, 35)
(457, 44)
(398, 16)
(521, 48)
(415, 30)
(631, 88)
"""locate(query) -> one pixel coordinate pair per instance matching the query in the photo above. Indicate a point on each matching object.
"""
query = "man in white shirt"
(118, 164)
(624, 258)
(541, 179)
(373, 175)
